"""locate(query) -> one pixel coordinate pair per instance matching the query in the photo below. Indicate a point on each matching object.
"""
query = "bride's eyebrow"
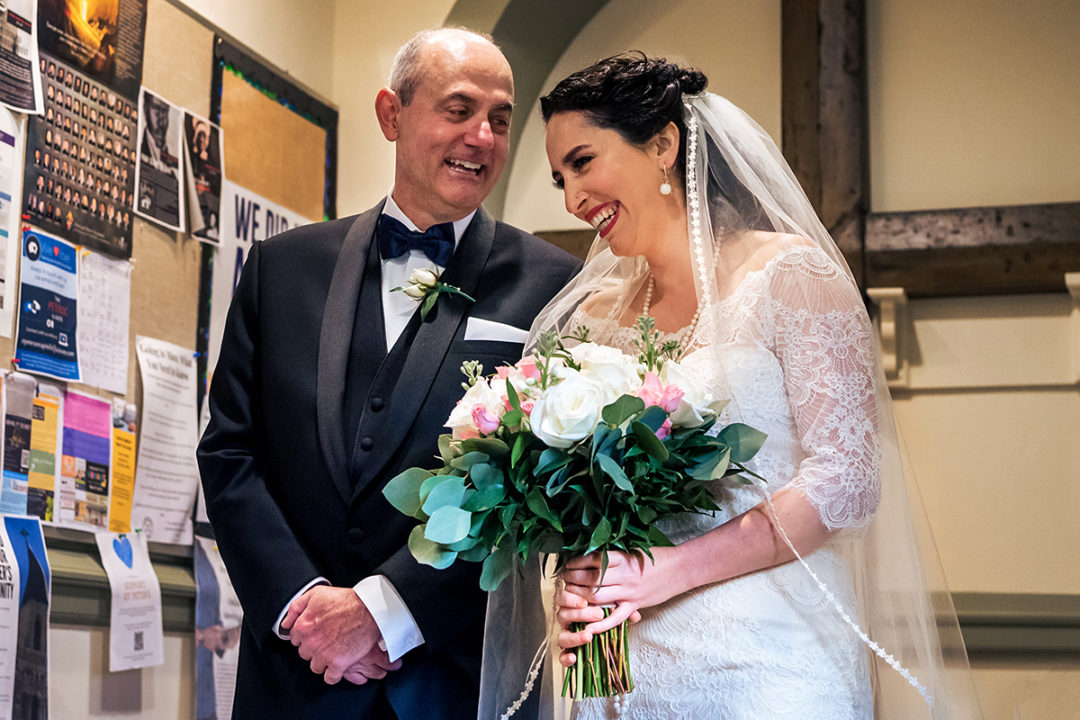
(568, 157)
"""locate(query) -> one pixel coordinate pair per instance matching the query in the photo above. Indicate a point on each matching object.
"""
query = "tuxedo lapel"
(431, 343)
(339, 315)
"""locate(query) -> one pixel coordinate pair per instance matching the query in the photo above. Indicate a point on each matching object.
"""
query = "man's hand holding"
(333, 629)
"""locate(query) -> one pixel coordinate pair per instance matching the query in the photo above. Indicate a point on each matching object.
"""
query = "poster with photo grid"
(80, 161)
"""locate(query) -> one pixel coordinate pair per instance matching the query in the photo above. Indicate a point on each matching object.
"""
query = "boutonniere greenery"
(425, 287)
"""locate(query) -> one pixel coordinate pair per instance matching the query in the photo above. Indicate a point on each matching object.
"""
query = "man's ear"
(387, 107)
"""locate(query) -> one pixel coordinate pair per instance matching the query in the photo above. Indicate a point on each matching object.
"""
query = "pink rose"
(526, 407)
(484, 420)
(653, 392)
(503, 371)
(527, 366)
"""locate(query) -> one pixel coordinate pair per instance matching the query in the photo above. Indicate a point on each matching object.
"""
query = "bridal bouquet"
(572, 451)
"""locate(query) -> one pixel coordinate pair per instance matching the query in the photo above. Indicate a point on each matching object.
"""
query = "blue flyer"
(48, 289)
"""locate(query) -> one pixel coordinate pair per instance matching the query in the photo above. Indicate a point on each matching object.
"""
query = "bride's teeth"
(601, 217)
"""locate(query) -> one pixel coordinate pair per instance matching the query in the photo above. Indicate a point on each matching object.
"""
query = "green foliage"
(509, 495)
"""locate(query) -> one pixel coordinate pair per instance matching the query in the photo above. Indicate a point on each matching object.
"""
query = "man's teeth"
(602, 217)
(474, 168)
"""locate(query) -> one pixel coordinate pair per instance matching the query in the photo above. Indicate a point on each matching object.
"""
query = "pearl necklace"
(649, 288)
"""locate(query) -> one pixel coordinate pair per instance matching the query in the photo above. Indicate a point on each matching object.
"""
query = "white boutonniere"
(425, 287)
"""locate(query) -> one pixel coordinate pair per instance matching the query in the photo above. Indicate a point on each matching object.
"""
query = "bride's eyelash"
(576, 164)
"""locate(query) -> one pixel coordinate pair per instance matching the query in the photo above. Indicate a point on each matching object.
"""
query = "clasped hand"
(631, 582)
(333, 629)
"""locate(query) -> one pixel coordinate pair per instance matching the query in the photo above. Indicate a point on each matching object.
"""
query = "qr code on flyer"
(139, 640)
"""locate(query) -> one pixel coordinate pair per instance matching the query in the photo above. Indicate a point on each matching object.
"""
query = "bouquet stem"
(603, 666)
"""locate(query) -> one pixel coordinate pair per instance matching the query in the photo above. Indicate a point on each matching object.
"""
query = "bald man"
(329, 385)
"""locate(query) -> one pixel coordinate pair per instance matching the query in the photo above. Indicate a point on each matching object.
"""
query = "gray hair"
(406, 69)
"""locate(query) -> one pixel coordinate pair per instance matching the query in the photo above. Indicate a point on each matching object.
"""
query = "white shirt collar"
(391, 208)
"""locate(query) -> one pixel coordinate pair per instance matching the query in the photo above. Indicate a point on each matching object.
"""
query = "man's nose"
(480, 135)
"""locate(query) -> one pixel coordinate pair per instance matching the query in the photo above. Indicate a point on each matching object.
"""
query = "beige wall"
(973, 102)
(737, 44)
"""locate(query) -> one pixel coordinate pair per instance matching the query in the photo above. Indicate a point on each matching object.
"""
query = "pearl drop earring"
(665, 187)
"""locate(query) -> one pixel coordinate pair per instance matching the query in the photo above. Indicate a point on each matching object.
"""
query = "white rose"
(609, 368)
(424, 277)
(694, 406)
(481, 393)
(567, 412)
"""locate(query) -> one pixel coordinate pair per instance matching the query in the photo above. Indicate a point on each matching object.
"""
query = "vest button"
(366, 443)
(355, 535)
(377, 404)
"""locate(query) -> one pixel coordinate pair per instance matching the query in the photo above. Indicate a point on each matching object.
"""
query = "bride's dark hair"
(637, 96)
(632, 94)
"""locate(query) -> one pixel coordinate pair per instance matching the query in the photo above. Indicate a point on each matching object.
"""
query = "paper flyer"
(104, 321)
(159, 193)
(25, 595)
(123, 466)
(85, 461)
(44, 466)
(12, 133)
(136, 638)
(203, 169)
(48, 288)
(18, 407)
(20, 78)
(217, 632)
(166, 475)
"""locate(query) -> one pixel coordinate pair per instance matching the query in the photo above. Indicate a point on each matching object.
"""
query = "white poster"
(12, 136)
(166, 475)
(104, 321)
(20, 74)
(136, 638)
(245, 218)
(18, 408)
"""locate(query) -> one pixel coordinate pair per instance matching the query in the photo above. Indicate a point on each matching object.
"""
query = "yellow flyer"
(44, 424)
(123, 479)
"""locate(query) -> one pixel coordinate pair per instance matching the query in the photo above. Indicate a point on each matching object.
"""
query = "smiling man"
(329, 385)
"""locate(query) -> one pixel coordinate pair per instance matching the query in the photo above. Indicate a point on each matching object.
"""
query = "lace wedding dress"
(797, 363)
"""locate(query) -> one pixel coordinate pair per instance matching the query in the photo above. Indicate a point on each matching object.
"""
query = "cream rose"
(461, 422)
(567, 412)
(616, 373)
(694, 406)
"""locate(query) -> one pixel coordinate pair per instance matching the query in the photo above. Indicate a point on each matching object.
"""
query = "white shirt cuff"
(397, 625)
(277, 629)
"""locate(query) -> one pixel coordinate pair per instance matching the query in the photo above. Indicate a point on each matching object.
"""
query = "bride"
(795, 598)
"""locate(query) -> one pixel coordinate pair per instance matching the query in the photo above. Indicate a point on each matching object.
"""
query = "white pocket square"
(480, 329)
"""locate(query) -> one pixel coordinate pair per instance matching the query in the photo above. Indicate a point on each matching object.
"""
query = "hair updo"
(632, 94)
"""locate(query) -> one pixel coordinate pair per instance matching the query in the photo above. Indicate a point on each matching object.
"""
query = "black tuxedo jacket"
(275, 460)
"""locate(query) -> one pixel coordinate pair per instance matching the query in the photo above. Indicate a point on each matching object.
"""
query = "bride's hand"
(631, 582)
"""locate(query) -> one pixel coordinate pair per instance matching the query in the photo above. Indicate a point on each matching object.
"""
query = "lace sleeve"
(823, 339)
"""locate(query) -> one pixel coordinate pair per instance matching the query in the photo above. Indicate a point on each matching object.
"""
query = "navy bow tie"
(437, 242)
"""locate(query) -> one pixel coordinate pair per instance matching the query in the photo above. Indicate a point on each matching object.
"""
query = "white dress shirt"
(400, 633)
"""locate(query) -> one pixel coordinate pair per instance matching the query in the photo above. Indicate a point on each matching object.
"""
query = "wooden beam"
(974, 251)
(823, 109)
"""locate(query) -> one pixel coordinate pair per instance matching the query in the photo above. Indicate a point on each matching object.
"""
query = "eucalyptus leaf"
(649, 442)
(448, 525)
(485, 475)
(486, 498)
(403, 491)
(652, 417)
(427, 552)
(513, 418)
(433, 482)
(617, 412)
(496, 567)
(476, 553)
(722, 465)
(494, 447)
(613, 471)
(445, 450)
(469, 459)
(743, 440)
(551, 459)
(447, 494)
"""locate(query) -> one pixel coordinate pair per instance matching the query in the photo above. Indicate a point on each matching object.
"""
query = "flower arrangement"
(572, 451)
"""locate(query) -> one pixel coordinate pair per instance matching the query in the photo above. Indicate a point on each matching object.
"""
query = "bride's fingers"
(568, 639)
(584, 578)
(567, 659)
(622, 612)
(582, 562)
